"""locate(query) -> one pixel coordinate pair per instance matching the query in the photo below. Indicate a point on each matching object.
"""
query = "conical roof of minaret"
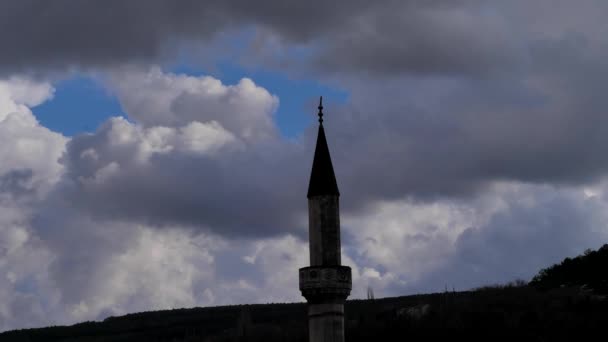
(322, 177)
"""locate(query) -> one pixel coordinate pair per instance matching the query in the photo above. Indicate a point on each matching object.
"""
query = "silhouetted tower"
(326, 283)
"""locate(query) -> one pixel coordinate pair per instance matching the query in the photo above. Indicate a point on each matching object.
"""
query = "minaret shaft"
(324, 230)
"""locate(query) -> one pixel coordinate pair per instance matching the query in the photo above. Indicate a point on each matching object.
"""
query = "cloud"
(154, 98)
(509, 232)
(63, 264)
(124, 226)
(154, 270)
(24, 143)
(421, 38)
(379, 37)
(77, 222)
(205, 165)
(451, 136)
(28, 171)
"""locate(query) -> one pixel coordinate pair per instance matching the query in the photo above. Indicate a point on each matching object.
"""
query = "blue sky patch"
(81, 103)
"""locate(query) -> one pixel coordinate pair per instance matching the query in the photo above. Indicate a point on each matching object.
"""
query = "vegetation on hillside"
(588, 270)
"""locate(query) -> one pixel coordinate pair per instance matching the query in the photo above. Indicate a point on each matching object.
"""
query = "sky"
(155, 154)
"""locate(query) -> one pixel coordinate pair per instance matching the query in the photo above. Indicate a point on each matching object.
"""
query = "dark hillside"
(588, 270)
(496, 313)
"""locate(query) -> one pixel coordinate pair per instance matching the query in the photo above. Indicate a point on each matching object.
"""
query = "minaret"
(326, 283)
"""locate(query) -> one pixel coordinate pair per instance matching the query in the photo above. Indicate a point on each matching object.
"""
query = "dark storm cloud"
(396, 38)
(452, 136)
(354, 36)
(238, 199)
(16, 183)
(239, 193)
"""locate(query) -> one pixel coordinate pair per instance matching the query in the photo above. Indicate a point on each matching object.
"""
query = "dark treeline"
(562, 303)
(589, 271)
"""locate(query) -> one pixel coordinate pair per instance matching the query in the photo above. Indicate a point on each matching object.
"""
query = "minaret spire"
(322, 177)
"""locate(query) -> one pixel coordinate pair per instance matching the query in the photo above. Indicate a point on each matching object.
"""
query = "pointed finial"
(320, 110)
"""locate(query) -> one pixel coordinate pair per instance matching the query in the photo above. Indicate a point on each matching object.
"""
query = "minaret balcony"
(325, 282)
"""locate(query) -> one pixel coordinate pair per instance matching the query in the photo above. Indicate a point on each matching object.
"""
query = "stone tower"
(326, 283)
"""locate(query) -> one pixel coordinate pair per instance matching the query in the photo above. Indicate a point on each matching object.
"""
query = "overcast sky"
(155, 154)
